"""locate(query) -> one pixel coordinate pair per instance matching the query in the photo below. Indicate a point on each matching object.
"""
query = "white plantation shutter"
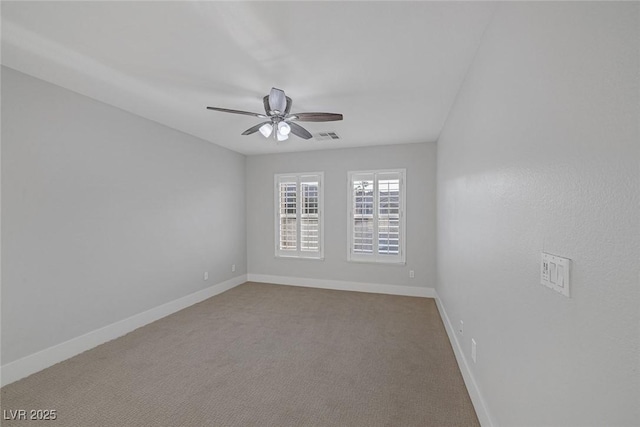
(388, 190)
(288, 211)
(299, 215)
(376, 216)
(310, 215)
(362, 232)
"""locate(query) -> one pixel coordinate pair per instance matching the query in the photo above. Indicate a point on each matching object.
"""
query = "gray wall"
(541, 152)
(105, 214)
(419, 161)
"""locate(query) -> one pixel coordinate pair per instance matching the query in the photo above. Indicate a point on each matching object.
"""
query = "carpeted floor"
(263, 355)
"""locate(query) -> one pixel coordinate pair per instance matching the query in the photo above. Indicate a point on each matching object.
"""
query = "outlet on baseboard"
(233, 268)
(461, 328)
(206, 275)
(473, 350)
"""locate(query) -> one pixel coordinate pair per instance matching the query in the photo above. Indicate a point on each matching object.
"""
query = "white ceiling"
(392, 68)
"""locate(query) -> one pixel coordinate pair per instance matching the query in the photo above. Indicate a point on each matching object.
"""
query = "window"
(299, 225)
(376, 216)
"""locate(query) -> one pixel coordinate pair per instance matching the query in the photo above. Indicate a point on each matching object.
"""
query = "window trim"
(298, 254)
(377, 258)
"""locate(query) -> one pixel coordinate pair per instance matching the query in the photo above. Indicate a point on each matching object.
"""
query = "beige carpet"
(263, 355)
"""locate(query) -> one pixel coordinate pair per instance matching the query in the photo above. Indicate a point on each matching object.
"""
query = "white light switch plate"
(555, 273)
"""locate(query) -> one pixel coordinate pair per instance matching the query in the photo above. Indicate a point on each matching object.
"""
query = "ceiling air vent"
(324, 136)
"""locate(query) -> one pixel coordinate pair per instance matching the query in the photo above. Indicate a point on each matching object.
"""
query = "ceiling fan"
(277, 107)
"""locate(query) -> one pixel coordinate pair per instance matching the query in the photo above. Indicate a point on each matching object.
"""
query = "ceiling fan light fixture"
(266, 129)
(284, 128)
(282, 137)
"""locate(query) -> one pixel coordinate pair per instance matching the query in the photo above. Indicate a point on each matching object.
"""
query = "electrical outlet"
(461, 328)
(206, 275)
(233, 268)
(474, 350)
(412, 274)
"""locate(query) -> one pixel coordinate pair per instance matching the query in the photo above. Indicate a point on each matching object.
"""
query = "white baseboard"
(50, 356)
(472, 386)
(375, 288)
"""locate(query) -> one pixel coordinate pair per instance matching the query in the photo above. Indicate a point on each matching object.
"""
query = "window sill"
(300, 257)
(377, 261)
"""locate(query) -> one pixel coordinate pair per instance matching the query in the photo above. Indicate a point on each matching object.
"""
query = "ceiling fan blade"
(315, 117)
(265, 101)
(277, 100)
(254, 129)
(298, 130)
(288, 107)
(246, 113)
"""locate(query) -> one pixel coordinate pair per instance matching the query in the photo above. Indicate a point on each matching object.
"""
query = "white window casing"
(376, 216)
(299, 221)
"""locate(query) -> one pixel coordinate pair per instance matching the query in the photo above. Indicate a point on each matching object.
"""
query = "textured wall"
(105, 214)
(419, 161)
(541, 152)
